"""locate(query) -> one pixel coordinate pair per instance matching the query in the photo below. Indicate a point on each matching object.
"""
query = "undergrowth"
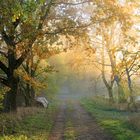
(36, 126)
(115, 122)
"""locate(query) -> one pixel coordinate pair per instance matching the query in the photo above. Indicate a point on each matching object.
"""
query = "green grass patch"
(114, 121)
(35, 127)
(69, 133)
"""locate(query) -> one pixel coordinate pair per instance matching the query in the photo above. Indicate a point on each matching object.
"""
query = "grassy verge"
(33, 127)
(114, 122)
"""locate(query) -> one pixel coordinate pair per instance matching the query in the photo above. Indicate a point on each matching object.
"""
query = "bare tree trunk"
(10, 96)
(110, 93)
(32, 95)
(131, 104)
(121, 95)
(108, 86)
(29, 89)
(27, 95)
(109, 89)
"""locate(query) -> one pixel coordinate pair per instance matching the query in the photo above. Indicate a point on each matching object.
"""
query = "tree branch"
(70, 3)
(21, 59)
(4, 81)
(66, 29)
(3, 67)
(132, 64)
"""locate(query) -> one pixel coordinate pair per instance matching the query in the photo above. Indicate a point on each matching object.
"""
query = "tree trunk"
(121, 95)
(110, 94)
(10, 97)
(108, 86)
(131, 105)
(109, 89)
(32, 95)
(29, 95)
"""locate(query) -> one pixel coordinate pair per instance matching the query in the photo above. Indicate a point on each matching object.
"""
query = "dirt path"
(74, 123)
(58, 129)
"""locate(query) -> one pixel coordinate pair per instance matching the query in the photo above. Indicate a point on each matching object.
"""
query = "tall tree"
(21, 22)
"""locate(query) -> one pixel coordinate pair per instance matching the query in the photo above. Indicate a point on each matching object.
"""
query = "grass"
(33, 127)
(69, 132)
(114, 121)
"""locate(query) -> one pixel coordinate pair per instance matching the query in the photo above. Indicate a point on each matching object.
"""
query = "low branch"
(21, 59)
(70, 3)
(3, 67)
(8, 39)
(4, 81)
